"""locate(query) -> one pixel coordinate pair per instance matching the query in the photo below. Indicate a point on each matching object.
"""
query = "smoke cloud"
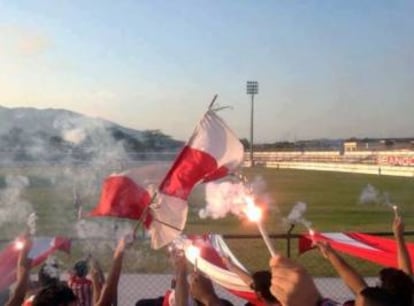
(75, 136)
(372, 195)
(14, 208)
(229, 197)
(297, 215)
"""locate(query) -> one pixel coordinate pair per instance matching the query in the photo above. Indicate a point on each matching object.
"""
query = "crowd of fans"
(285, 283)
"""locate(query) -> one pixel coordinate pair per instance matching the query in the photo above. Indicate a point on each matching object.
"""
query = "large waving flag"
(212, 248)
(212, 152)
(382, 251)
(41, 248)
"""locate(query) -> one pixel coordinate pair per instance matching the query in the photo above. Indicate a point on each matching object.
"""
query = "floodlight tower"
(252, 88)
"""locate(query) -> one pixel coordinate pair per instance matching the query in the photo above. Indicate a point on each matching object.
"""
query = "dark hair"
(44, 277)
(55, 295)
(81, 268)
(225, 302)
(377, 296)
(397, 283)
(261, 284)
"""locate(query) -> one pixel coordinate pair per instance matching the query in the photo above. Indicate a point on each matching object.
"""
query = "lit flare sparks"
(193, 253)
(19, 244)
(254, 213)
(395, 209)
(312, 235)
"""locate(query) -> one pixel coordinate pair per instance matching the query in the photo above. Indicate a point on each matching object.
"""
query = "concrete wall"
(341, 167)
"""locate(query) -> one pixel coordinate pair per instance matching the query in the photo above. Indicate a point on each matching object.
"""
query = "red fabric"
(209, 253)
(82, 288)
(43, 246)
(190, 167)
(121, 197)
(382, 251)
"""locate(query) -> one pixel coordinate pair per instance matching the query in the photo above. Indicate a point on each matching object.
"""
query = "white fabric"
(343, 238)
(223, 277)
(214, 137)
(172, 211)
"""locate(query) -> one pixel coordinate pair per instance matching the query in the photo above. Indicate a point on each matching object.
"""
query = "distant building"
(370, 144)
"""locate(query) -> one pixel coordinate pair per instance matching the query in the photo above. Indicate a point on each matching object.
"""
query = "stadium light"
(252, 88)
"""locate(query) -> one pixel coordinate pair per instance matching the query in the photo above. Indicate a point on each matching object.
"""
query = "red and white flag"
(212, 248)
(212, 152)
(382, 251)
(129, 194)
(41, 248)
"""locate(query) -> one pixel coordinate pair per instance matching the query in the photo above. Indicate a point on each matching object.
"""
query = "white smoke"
(31, 223)
(229, 197)
(100, 234)
(75, 136)
(297, 215)
(372, 195)
(369, 195)
(13, 208)
(51, 267)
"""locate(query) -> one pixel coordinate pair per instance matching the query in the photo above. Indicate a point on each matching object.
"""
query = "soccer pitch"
(332, 200)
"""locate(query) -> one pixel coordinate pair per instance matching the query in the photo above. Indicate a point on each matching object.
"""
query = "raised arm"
(109, 290)
(348, 274)
(403, 256)
(291, 284)
(23, 274)
(181, 285)
(98, 279)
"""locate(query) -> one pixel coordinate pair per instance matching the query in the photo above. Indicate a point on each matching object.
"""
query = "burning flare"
(252, 212)
(395, 209)
(192, 253)
(19, 244)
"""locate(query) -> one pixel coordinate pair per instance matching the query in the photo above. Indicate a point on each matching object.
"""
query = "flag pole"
(143, 216)
(213, 101)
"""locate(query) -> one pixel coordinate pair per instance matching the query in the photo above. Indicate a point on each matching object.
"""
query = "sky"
(326, 69)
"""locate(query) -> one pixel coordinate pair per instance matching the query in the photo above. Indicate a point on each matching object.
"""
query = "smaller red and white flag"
(212, 247)
(379, 250)
(212, 152)
(129, 194)
(41, 248)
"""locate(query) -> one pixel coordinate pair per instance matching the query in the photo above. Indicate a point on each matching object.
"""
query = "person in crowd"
(97, 277)
(292, 285)
(48, 275)
(259, 281)
(202, 290)
(376, 296)
(80, 284)
(56, 293)
(198, 291)
(395, 281)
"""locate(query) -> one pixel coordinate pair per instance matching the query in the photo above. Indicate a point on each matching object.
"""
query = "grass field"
(332, 200)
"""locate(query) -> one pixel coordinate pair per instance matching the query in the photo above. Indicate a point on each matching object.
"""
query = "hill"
(29, 134)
